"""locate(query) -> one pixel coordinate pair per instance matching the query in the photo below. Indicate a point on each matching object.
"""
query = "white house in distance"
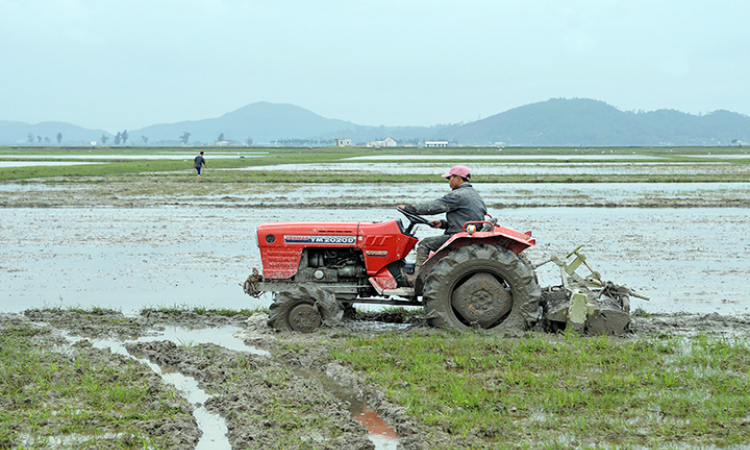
(435, 143)
(387, 142)
(342, 142)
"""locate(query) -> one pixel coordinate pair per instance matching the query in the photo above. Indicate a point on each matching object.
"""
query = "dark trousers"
(429, 244)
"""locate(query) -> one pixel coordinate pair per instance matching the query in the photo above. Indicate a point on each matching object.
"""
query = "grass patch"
(178, 310)
(181, 170)
(526, 393)
(55, 396)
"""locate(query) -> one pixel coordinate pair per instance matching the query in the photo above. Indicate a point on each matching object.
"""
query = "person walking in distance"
(462, 204)
(198, 162)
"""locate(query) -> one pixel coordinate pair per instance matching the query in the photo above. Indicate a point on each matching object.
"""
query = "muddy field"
(122, 248)
(237, 414)
(232, 380)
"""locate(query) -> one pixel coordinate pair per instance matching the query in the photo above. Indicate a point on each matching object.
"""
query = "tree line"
(30, 139)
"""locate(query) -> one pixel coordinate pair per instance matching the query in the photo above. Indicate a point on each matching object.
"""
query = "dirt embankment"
(282, 398)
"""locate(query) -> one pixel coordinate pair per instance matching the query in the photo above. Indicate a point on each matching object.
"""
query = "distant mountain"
(263, 122)
(278, 123)
(555, 122)
(583, 122)
(45, 133)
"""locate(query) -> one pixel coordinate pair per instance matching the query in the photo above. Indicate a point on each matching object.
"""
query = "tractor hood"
(281, 244)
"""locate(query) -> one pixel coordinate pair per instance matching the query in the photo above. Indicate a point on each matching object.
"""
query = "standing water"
(212, 425)
(688, 259)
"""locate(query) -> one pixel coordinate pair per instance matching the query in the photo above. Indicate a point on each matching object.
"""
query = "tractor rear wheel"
(482, 286)
(304, 308)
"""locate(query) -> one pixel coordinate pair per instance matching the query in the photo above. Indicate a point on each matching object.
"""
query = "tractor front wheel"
(482, 286)
(304, 308)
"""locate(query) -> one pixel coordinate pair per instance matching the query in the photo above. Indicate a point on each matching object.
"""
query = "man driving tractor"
(475, 278)
(463, 204)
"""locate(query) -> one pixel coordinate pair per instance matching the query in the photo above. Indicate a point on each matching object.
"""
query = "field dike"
(296, 391)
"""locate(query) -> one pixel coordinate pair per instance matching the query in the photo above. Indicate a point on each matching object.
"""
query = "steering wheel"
(414, 220)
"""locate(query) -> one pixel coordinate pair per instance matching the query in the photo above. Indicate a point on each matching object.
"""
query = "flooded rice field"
(115, 246)
(4, 164)
(496, 195)
(122, 156)
(688, 260)
(577, 167)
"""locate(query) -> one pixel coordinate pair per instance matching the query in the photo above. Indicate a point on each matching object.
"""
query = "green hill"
(555, 122)
(582, 122)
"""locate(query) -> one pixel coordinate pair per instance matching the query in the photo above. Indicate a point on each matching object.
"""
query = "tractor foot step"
(401, 292)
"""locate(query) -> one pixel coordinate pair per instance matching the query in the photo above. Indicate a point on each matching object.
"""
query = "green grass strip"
(534, 390)
(49, 392)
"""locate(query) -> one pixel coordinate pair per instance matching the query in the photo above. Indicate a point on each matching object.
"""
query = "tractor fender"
(504, 237)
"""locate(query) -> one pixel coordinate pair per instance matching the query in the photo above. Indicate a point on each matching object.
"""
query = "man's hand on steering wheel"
(416, 219)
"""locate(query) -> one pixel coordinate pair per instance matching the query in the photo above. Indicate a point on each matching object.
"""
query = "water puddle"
(212, 425)
(221, 336)
(382, 435)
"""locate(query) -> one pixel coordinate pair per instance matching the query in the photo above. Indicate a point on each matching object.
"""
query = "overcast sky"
(125, 64)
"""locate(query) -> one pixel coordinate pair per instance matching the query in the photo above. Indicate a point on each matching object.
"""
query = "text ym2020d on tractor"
(478, 279)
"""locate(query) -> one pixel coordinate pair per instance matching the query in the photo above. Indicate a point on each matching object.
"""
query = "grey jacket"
(462, 204)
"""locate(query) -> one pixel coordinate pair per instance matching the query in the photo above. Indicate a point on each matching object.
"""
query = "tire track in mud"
(268, 398)
(243, 387)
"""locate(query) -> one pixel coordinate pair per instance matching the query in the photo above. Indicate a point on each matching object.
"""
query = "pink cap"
(461, 171)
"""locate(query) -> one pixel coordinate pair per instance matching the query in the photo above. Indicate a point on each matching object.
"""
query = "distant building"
(387, 142)
(342, 142)
(222, 143)
(435, 143)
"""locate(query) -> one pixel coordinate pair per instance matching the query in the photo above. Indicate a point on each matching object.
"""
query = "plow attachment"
(586, 304)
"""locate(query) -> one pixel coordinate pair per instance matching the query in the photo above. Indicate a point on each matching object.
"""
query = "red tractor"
(478, 278)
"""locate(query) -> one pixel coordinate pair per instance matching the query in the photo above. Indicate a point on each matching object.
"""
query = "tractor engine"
(331, 265)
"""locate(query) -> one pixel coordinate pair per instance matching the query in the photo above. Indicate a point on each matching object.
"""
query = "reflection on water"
(381, 434)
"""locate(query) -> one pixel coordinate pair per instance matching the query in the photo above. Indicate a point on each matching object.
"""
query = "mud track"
(271, 400)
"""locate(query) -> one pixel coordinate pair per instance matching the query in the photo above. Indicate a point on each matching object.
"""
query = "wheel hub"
(482, 299)
(304, 318)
